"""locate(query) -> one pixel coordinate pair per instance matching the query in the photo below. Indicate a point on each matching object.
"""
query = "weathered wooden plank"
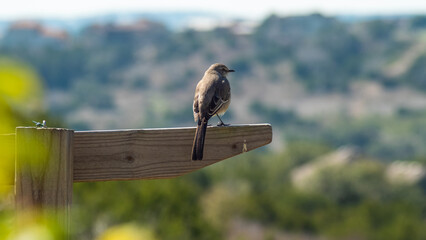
(44, 171)
(158, 153)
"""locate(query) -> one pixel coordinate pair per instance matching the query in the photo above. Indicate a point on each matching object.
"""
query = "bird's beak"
(230, 70)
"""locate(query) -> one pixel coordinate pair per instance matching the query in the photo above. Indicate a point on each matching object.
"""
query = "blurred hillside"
(346, 98)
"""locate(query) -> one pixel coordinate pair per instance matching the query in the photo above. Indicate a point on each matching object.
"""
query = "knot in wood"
(130, 159)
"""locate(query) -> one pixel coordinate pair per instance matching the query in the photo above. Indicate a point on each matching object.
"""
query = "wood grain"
(158, 153)
(44, 171)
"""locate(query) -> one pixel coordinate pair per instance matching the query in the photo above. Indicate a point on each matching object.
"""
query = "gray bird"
(212, 97)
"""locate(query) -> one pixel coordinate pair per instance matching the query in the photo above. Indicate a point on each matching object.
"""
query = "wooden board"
(158, 153)
(44, 167)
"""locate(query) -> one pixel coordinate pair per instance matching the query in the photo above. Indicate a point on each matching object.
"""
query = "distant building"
(139, 31)
(237, 27)
(33, 34)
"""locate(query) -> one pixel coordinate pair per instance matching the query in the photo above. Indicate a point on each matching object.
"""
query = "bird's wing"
(195, 106)
(216, 104)
(220, 97)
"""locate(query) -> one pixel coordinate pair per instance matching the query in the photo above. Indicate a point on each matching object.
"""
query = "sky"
(16, 9)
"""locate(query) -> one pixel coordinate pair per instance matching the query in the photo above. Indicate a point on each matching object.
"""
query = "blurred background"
(343, 84)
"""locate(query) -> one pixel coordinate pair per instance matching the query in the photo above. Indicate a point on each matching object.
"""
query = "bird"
(212, 97)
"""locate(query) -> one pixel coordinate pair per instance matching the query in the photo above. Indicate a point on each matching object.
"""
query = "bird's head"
(220, 68)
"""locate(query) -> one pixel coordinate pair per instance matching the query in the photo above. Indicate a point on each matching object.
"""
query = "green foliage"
(381, 30)
(416, 75)
(274, 116)
(84, 90)
(352, 185)
(387, 138)
(419, 22)
(169, 206)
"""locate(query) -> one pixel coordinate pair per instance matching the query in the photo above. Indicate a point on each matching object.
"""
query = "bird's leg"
(221, 124)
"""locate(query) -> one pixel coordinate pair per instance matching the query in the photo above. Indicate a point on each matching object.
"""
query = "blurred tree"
(416, 75)
(20, 102)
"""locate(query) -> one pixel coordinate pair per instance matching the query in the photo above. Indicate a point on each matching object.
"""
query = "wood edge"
(44, 128)
(172, 128)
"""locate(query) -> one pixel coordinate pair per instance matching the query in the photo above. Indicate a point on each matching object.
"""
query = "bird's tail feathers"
(198, 145)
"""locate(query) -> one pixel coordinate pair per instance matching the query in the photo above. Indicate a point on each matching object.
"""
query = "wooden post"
(44, 172)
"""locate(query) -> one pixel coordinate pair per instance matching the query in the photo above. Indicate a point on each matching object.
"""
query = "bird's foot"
(221, 124)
